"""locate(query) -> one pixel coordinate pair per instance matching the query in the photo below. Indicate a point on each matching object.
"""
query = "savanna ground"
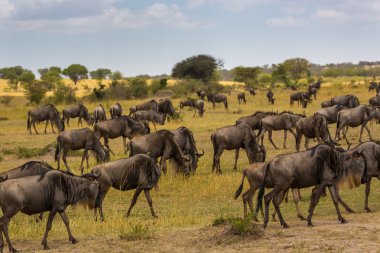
(188, 206)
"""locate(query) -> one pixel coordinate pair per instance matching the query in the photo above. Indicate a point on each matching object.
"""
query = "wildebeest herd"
(35, 187)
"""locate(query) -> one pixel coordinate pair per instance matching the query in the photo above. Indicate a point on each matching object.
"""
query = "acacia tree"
(296, 68)
(51, 77)
(247, 75)
(199, 67)
(15, 75)
(279, 74)
(101, 74)
(76, 72)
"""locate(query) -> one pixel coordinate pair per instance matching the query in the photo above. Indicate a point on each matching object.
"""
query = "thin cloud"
(230, 5)
(331, 15)
(287, 21)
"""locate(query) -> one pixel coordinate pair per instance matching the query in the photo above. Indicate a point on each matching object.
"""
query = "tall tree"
(76, 72)
(15, 75)
(51, 77)
(279, 74)
(296, 68)
(200, 67)
(247, 75)
(101, 74)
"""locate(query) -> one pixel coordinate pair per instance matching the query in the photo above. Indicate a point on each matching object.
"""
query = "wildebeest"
(188, 102)
(373, 86)
(146, 106)
(312, 127)
(313, 91)
(354, 117)
(46, 113)
(270, 97)
(165, 107)
(186, 142)
(284, 121)
(327, 103)
(83, 138)
(234, 138)
(53, 191)
(151, 116)
(253, 121)
(374, 101)
(217, 98)
(30, 168)
(199, 106)
(316, 85)
(99, 114)
(252, 91)
(116, 111)
(77, 111)
(331, 113)
(139, 172)
(161, 144)
(241, 98)
(201, 94)
(349, 101)
(321, 166)
(124, 126)
(300, 97)
(254, 174)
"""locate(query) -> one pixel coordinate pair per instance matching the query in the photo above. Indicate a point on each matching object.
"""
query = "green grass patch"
(136, 231)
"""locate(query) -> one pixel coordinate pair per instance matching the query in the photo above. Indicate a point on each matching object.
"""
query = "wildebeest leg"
(307, 143)
(134, 200)
(4, 221)
(80, 121)
(267, 199)
(296, 201)
(154, 124)
(125, 145)
(270, 139)
(282, 196)
(149, 199)
(248, 197)
(298, 140)
(195, 111)
(52, 128)
(367, 191)
(335, 200)
(213, 105)
(345, 136)
(236, 159)
(340, 200)
(68, 124)
(361, 132)
(48, 228)
(83, 157)
(277, 198)
(66, 221)
(47, 122)
(368, 131)
(65, 151)
(217, 156)
(285, 135)
(34, 126)
(314, 201)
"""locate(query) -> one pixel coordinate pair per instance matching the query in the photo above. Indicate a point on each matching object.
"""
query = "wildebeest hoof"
(285, 225)
(310, 224)
(46, 247)
(155, 216)
(74, 241)
(13, 250)
(301, 217)
(350, 211)
(343, 221)
(369, 210)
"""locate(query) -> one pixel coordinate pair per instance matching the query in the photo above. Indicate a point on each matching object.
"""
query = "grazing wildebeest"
(331, 113)
(349, 101)
(234, 138)
(186, 142)
(300, 97)
(199, 106)
(146, 106)
(254, 174)
(270, 97)
(241, 98)
(46, 113)
(354, 117)
(53, 191)
(83, 138)
(327, 103)
(161, 144)
(252, 91)
(372, 86)
(313, 91)
(116, 111)
(99, 114)
(188, 102)
(151, 116)
(76, 111)
(165, 107)
(217, 98)
(125, 126)
(253, 121)
(316, 85)
(284, 121)
(201, 94)
(321, 166)
(139, 172)
(313, 127)
(374, 101)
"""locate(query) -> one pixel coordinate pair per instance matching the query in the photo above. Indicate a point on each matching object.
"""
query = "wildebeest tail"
(28, 122)
(338, 121)
(261, 129)
(240, 189)
(57, 149)
(262, 190)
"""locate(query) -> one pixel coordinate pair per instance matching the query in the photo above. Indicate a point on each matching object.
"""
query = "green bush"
(138, 87)
(6, 100)
(34, 91)
(240, 226)
(64, 94)
(158, 84)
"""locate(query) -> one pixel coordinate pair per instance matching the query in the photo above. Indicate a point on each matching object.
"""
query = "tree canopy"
(76, 72)
(101, 74)
(200, 67)
(247, 75)
(296, 68)
(16, 75)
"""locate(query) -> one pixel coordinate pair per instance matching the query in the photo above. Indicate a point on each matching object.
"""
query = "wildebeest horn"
(199, 155)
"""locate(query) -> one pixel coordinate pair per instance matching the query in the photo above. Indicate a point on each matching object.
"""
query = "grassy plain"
(181, 203)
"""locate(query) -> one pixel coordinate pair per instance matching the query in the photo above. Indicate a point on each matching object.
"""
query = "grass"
(180, 202)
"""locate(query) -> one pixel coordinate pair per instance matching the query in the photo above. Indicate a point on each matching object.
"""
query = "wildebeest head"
(90, 186)
(353, 169)
(59, 123)
(102, 153)
(187, 164)
(256, 153)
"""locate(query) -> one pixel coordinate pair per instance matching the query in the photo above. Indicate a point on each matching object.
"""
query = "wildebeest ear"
(3, 178)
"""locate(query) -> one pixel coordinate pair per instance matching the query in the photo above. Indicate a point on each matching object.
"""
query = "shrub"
(118, 91)
(64, 94)
(158, 84)
(138, 87)
(137, 232)
(240, 226)
(6, 100)
(34, 91)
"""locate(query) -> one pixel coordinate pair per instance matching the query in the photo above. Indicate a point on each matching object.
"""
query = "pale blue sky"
(149, 37)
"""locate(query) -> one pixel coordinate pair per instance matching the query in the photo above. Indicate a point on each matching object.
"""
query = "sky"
(149, 37)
